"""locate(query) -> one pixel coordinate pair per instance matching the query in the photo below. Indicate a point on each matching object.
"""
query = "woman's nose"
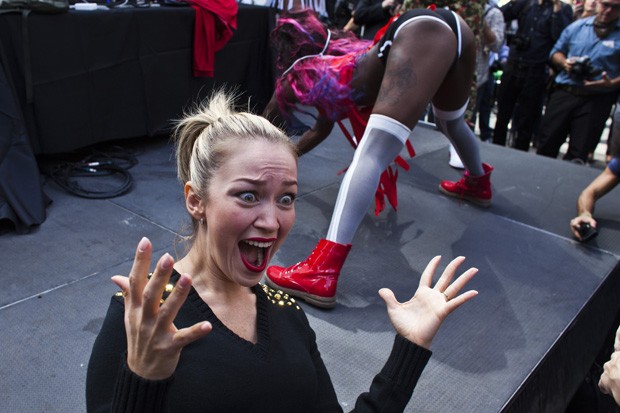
(268, 218)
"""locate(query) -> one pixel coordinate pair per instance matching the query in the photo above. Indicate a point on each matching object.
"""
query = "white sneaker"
(455, 160)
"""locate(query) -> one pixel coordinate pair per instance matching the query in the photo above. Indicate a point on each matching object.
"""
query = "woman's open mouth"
(255, 254)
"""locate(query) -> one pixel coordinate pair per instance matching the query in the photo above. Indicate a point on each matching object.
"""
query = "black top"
(539, 29)
(222, 372)
(371, 15)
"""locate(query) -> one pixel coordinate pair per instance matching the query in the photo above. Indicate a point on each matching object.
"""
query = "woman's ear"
(193, 202)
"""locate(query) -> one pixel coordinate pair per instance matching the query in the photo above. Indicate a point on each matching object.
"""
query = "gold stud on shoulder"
(278, 297)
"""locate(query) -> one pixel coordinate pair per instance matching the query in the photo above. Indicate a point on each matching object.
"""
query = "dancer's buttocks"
(440, 16)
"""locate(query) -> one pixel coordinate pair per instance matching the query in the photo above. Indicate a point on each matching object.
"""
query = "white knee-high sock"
(453, 125)
(383, 140)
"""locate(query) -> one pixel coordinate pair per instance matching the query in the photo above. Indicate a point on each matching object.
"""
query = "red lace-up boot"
(476, 189)
(314, 279)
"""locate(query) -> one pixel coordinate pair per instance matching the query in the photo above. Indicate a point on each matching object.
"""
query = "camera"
(587, 232)
(582, 69)
(518, 41)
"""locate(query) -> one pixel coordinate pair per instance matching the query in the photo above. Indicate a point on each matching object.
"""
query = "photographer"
(525, 75)
(588, 58)
(600, 186)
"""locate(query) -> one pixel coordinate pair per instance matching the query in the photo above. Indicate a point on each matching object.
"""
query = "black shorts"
(441, 15)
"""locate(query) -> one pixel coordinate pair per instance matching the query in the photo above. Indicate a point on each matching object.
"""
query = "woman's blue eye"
(247, 196)
(287, 199)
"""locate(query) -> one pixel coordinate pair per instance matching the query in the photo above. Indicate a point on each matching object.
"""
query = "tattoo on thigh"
(398, 85)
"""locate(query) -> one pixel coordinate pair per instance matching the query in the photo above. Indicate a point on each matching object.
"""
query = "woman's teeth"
(259, 244)
(259, 249)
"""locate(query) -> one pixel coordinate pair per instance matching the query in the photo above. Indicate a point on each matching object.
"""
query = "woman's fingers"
(388, 296)
(427, 276)
(459, 300)
(617, 340)
(139, 272)
(453, 289)
(152, 294)
(446, 277)
(175, 300)
(122, 283)
(187, 335)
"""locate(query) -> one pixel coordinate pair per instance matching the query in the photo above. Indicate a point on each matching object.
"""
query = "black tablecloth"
(22, 202)
(120, 73)
(105, 75)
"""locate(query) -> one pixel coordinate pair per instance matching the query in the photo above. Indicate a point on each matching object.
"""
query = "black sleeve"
(369, 12)
(392, 388)
(512, 9)
(110, 385)
(134, 394)
(326, 399)
(105, 359)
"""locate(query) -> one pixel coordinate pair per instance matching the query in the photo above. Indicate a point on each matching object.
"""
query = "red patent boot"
(314, 279)
(476, 189)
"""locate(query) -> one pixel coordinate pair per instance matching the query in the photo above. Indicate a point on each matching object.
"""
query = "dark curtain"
(22, 200)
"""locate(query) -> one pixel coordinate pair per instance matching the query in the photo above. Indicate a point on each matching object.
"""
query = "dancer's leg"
(315, 279)
(382, 141)
(453, 125)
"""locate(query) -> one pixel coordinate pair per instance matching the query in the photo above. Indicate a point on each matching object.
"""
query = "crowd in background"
(516, 77)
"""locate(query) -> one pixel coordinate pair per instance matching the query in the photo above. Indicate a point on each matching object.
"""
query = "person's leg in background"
(506, 99)
(579, 133)
(485, 104)
(595, 112)
(613, 139)
(530, 106)
(555, 123)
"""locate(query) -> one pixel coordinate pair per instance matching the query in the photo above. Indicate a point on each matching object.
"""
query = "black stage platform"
(545, 306)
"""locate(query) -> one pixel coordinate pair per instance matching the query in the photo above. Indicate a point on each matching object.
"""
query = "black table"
(122, 73)
(72, 80)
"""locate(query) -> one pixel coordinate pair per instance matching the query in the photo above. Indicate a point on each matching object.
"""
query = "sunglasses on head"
(613, 6)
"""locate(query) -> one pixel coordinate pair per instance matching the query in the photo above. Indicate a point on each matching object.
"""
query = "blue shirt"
(614, 166)
(579, 39)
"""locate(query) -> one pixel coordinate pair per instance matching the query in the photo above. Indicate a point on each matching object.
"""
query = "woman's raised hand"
(419, 319)
(154, 344)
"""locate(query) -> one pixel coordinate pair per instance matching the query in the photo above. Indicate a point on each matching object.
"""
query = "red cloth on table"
(215, 22)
